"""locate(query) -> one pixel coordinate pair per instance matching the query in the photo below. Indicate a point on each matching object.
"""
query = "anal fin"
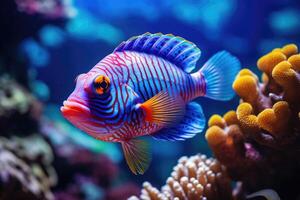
(137, 155)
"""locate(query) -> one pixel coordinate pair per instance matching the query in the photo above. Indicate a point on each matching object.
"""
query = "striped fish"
(145, 87)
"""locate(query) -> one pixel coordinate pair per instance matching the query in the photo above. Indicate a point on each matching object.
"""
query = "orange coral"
(275, 120)
(267, 105)
(258, 143)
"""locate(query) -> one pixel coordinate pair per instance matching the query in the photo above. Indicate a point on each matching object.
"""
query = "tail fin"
(219, 73)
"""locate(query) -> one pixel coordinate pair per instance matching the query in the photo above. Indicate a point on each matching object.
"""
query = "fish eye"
(101, 84)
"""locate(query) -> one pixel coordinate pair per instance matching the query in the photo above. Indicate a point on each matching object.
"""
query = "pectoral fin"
(137, 155)
(192, 123)
(163, 109)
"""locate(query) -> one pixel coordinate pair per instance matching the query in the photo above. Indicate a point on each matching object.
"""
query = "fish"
(146, 87)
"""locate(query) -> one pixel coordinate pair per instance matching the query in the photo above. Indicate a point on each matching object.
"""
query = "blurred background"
(45, 44)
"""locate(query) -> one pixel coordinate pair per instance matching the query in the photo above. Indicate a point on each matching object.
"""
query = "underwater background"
(45, 44)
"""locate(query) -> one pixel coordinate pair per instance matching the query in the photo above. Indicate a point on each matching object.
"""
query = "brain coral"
(259, 142)
(192, 178)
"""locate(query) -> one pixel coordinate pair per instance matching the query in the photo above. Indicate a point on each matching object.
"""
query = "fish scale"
(139, 66)
(161, 74)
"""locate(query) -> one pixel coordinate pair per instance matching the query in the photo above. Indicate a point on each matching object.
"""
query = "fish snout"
(88, 88)
(73, 107)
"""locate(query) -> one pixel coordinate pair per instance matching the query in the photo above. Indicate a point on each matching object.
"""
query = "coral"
(19, 110)
(49, 8)
(25, 156)
(89, 176)
(259, 142)
(196, 177)
(25, 170)
(29, 167)
(42, 157)
(121, 192)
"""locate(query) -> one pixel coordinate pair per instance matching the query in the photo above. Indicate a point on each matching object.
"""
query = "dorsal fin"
(177, 50)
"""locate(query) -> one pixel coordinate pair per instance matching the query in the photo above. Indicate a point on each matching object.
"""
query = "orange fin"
(137, 155)
(164, 109)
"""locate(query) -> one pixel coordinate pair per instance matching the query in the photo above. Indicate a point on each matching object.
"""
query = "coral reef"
(19, 110)
(25, 156)
(42, 157)
(196, 177)
(38, 160)
(257, 146)
(259, 142)
(26, 172)
(49, 8)
(89, 176)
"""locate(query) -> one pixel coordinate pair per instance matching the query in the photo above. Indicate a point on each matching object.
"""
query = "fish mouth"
(73, 108)
(79, 114)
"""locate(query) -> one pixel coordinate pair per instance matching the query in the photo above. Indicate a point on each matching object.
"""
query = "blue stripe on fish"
(176, 50)
(149, 93)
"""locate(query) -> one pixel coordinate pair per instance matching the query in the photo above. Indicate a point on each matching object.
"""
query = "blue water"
(247, 29)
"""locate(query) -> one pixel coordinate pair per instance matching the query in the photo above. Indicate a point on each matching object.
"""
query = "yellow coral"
(289, 50)
(216, 120)
(246, 87)
(295, 62)
(247, 119)
(215, 135)
(281, 73)
(268, 114)
(245, 72)
(264, 78)
(275, 120)
(288, 79)
(269, 61)
(281, 70)
(230, 118)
